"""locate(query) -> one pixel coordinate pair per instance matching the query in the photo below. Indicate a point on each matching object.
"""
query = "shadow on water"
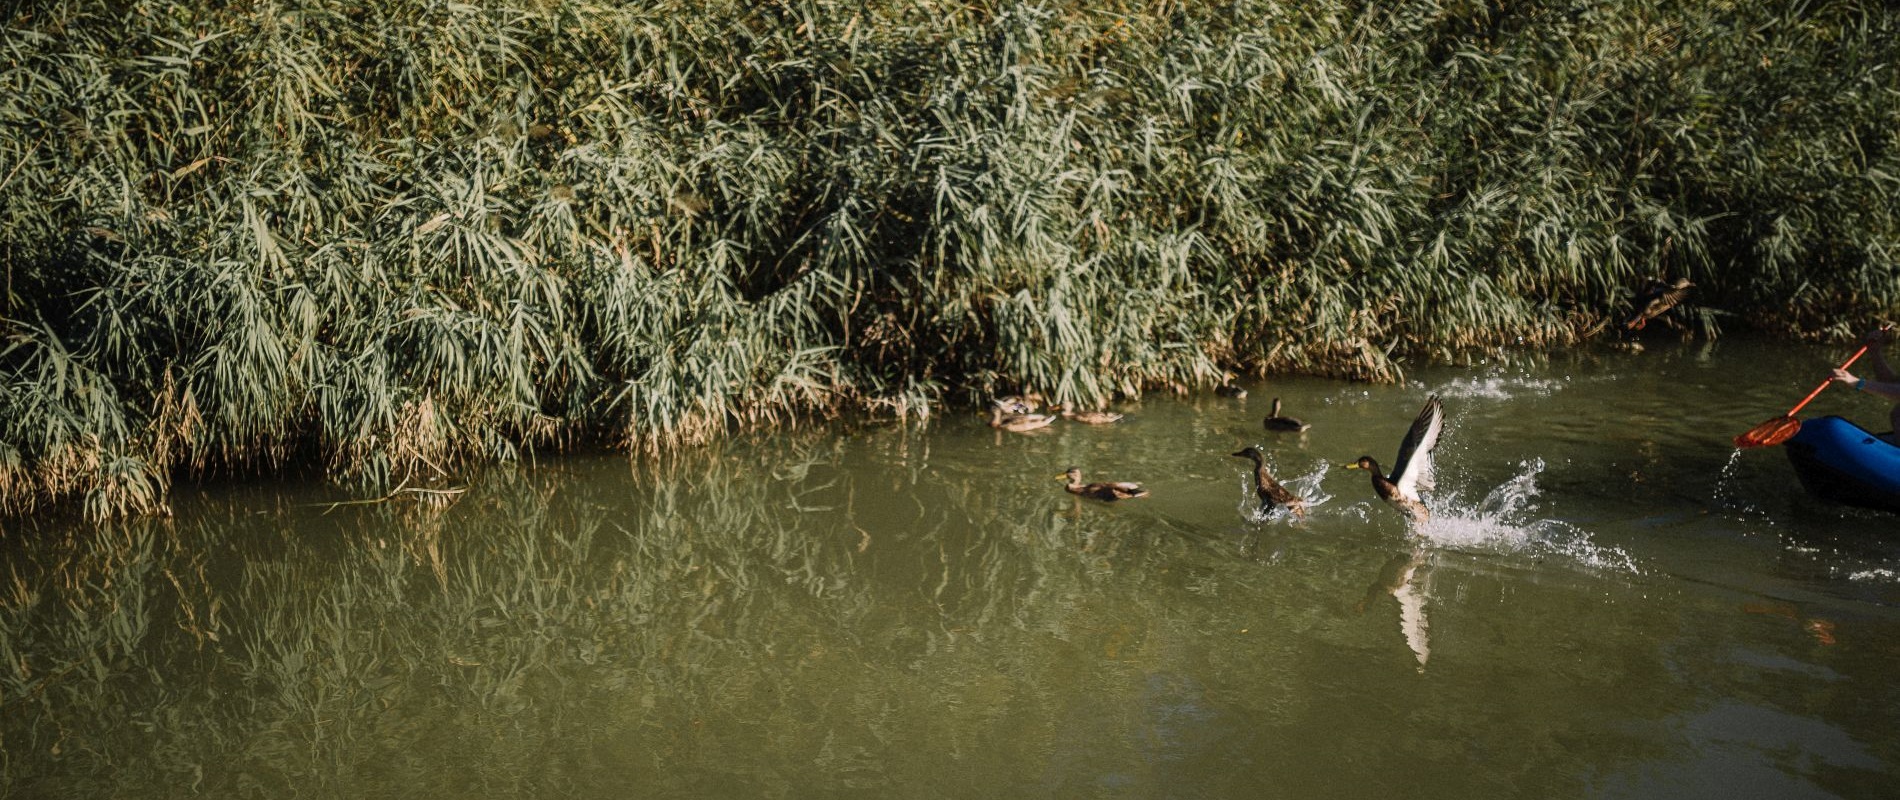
(904, 612)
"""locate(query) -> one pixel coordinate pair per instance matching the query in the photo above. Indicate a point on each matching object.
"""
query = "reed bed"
(396, 239)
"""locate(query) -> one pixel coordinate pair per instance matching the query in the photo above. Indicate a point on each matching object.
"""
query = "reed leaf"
(407, 238)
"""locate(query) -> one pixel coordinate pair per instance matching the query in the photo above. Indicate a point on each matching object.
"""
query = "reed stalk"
(397, 239)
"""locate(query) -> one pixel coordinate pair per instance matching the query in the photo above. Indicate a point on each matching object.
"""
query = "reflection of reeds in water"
(801, 609)
(763, 603)
(335, 234)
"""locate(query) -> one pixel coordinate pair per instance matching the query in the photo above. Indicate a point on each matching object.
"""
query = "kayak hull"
(1840, 461)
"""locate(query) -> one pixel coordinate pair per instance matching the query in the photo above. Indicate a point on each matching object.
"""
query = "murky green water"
(1611, 603)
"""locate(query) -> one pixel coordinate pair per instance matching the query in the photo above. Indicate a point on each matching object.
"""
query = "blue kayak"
(1840, 461)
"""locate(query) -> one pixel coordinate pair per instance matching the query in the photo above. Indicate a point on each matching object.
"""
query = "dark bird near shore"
(1231, 390)
(1105, 490)
(1270, 491)
(1275, 422)
(1656, 297)
(1412, 470)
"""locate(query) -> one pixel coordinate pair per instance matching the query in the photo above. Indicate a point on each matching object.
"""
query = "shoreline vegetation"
(398, 239)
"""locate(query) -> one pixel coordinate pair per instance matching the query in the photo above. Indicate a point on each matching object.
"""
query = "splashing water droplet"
(1497, 388)
(1723, 493)
(1505, 521)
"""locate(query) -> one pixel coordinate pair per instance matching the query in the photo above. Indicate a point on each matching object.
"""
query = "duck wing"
(1272, 490)
(1643, 305)
(1412, 470)
(1110, 490)
(1656, 297)
(1668, 299)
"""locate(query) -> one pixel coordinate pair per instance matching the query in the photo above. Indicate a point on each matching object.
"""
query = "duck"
(1278, 424)
(1106, 490)
(1028, 403)
(1656, 297)
(1270, 491)
(1017, 423)
(1088, 417)
(1230, 390)
(1412, 469)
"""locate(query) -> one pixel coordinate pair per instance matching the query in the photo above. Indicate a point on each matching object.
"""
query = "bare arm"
(1889, 389)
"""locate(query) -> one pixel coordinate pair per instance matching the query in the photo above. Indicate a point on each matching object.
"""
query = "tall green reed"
(404, 238)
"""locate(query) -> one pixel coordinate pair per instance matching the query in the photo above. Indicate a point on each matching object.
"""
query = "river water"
(1609, 602)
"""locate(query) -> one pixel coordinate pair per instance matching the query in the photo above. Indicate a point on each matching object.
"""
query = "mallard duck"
(1412, 470)
(1088, 417)
(1270, 491)
(1101, 491)
(1230, 390)
(1018, 422)
(1656, 297)
(1028, 403)
(1275, 422)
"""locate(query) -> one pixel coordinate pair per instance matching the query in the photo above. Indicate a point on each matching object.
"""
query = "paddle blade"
(1770, 433)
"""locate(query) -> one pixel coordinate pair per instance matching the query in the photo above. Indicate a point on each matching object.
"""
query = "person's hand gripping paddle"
(1782, 428)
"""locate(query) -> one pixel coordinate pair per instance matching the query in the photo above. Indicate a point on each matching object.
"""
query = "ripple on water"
(1506, 521)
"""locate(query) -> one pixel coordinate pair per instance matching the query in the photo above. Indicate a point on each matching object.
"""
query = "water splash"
(1879, 574)
(1506, 520)
(1309, 486)
(1497, 388)
(1723, 494)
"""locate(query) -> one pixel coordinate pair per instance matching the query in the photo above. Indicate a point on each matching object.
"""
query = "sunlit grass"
(402, 238)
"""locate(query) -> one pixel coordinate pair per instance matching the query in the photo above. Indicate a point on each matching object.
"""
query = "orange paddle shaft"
(1817, 390)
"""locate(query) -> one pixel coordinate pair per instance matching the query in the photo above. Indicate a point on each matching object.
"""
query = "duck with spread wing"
(1412, 470)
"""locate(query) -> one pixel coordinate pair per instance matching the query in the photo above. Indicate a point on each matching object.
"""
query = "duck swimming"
(1090, 417)
(1109, 491)
(1278, 424)
(1412, 470)
(1018, 423)
(1028, 403)
(1270, 491)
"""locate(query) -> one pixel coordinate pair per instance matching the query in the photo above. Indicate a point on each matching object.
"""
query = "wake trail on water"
(1505, 520)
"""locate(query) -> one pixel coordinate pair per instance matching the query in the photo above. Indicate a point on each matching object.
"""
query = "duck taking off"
(1412, 470)
(1109, 491)
(1656, 297)
(1270, 491)
(1278, 424)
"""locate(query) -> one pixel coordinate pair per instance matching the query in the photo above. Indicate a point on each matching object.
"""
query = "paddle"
(1782, 428)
